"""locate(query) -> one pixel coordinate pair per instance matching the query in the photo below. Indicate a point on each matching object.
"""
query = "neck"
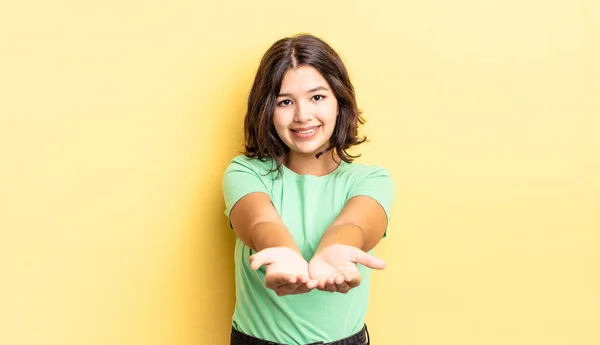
(308, 164)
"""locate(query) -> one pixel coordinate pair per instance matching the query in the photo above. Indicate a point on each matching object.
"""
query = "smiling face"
(306, 111)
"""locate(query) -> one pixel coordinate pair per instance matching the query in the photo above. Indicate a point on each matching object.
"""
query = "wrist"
(270, 235)
(346, 234)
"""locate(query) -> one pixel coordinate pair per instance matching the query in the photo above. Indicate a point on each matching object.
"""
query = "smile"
(305, 133)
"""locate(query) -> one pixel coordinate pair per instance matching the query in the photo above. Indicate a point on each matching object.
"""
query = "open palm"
(335, 267)
(286, 270)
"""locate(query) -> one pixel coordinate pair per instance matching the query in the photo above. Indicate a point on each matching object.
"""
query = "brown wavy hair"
(261, 139)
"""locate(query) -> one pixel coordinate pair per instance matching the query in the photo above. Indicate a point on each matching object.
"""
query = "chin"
(308, 151)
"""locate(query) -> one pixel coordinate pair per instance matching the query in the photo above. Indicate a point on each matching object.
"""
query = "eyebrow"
(318, 88)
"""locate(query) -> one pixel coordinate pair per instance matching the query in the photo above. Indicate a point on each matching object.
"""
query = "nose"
(302, 113)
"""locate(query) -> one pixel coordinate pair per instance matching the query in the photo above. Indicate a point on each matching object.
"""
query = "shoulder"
(373, 181)
(370, 180)
(243, 176)
(261, 167)
(360, 172)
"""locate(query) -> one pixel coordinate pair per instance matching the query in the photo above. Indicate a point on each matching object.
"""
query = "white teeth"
(307, 132)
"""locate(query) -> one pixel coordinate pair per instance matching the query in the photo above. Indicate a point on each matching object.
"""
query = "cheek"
(332, 109)
(277, 119)
(282, 118)
(280, 124)
(332, 113)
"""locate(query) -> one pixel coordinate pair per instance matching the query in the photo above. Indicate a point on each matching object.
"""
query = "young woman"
(305, 216)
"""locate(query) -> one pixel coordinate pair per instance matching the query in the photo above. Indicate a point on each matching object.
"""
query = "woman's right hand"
(287, 271)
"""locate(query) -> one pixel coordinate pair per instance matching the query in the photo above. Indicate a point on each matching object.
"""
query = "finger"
(339, 279)
(286, 289)
(328, 288)
(311, 284)
(303, 279)
(259, 259)
(301, 289)
(331, 279)
(321, 281)
(343, 287)
(308, 286)
(329, 284)
(276, 280)
(292, 289)
(352, 279)
(368, 260)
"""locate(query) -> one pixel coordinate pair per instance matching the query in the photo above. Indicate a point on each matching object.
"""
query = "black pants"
(359, 338)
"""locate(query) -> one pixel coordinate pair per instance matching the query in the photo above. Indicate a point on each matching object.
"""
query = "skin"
(306, 104)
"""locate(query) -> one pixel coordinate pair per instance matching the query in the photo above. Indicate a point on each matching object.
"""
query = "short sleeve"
(377, 184)
(239, 180)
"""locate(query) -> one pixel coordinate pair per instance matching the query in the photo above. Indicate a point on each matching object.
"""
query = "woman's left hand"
(335, 267)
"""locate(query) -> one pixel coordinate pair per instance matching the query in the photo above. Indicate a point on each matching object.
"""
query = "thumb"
(369, 260)
(261, 258)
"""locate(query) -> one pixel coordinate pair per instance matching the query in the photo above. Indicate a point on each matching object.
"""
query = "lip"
(305, 132)
(303, 129)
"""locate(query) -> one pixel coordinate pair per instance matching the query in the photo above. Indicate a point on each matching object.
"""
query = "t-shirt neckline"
(290, 172)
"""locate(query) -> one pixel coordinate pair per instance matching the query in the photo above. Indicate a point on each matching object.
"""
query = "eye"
(285, 103)
(318, 97)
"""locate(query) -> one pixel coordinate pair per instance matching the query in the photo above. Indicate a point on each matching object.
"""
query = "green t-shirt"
(307, 204)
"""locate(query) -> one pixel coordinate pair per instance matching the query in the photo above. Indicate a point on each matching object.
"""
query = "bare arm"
(361, 224)
(258, 225)
(357, 229)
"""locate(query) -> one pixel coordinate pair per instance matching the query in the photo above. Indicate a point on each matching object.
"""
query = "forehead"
(302, 79)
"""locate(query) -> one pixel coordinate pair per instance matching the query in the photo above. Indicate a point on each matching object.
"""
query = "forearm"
(269, 235)
(347, 234)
